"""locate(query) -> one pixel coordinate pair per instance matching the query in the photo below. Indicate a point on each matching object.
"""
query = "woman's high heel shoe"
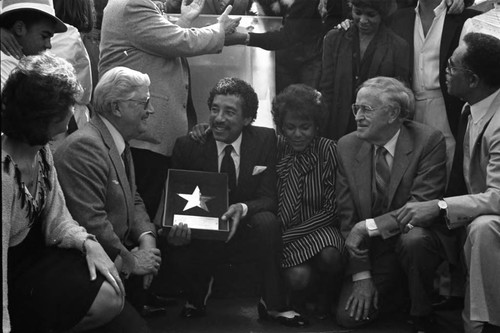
(296, 321)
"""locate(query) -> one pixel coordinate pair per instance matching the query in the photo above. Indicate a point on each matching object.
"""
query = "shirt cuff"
(361, 276)
(146, 233)
(372, 228)
(245, 209)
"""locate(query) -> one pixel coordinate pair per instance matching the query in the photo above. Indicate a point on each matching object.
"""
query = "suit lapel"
(476, 142)
(449, 28)
(380, 52)
(247, 151)
(400, 163)
(210, 156)
(363, 178)
(116, 160)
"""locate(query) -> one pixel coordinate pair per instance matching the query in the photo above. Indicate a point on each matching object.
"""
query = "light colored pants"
(482, 258)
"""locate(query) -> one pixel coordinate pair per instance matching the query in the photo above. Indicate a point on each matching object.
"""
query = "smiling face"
(367, 19)
(378, 125)
(299, 132)
(134, 113)
(226, 118)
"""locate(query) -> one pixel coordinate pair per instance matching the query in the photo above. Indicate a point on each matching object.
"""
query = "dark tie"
(456, 183)
(227, 166)
(382, 175)
(127, 159)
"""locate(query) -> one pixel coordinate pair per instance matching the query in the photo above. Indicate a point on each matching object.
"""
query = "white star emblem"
(196, 199)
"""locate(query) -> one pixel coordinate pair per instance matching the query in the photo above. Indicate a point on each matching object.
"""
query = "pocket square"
(258, 169)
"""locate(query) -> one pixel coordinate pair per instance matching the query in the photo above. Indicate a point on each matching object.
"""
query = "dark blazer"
(390, 58)
(97, 191)
(403, 23)
(258, 148)
(418, 174)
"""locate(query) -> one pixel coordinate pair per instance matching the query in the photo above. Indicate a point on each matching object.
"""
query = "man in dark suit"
(385, 163)
(96, 173)
(250, 153)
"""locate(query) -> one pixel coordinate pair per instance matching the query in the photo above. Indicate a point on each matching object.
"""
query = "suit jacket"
(418, 174)
(258, 148)
(403, 23)
(483, 179)
(390, 58)
(136, 35)
(97, 191)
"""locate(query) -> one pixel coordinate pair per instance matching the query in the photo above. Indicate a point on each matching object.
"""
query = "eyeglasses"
(141, 102)
(450, 67)
(366, 110)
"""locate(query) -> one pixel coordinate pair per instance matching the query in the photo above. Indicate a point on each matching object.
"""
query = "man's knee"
(483, 228)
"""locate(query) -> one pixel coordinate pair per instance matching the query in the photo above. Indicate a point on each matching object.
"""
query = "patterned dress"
(307, 206)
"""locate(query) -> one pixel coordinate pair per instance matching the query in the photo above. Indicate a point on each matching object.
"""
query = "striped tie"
(382, 175)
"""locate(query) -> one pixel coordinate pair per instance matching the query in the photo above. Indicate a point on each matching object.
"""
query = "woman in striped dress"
(313, 244)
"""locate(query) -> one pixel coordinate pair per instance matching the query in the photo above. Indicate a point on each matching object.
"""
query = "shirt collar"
(441, 8)
(390, 146)
(236, 145)
(117, 137)
(479, 109)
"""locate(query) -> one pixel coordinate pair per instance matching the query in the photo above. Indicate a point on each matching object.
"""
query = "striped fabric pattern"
(307, 206)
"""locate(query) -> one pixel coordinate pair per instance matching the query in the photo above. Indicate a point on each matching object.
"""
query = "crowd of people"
(384, 165)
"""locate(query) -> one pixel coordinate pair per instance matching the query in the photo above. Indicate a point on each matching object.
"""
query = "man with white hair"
(96, 173)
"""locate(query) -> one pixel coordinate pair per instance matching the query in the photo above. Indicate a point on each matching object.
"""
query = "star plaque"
(198, 199)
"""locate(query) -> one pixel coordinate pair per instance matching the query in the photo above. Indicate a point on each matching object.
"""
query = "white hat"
(45, 7)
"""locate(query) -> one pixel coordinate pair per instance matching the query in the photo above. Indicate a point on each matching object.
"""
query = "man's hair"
(40, 91)
(301, 101)
(117, 84)
(483, 57)
(78, 13)
(394, 92)
(237, 87)
(28, 16)
(382, 7)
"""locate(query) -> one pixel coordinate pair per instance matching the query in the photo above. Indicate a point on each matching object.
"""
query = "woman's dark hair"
(237, 87)
(78, 13)
(39, 92)
(383, 7)
(300, 100)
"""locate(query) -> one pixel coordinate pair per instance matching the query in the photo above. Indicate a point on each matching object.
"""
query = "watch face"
(442, 204)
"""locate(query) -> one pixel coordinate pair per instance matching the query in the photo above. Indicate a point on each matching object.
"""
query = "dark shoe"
(424, 324)
(295, 321)
(149, 311)
(156, 300)
(192, 312)
(448, 303)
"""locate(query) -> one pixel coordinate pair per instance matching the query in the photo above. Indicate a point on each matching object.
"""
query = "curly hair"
(301, 101)
(39, 92)
(483, 57)
(383, 7)
(237, 87)
(393, 92)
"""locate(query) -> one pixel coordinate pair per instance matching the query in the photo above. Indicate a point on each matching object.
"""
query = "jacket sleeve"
(150, 32)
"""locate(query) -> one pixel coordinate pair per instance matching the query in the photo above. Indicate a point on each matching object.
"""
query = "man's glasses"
(450, 68)
(366, 110)
(145, 103)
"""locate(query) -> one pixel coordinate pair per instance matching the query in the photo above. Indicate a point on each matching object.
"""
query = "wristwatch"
(443, 208)
(371, 225)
